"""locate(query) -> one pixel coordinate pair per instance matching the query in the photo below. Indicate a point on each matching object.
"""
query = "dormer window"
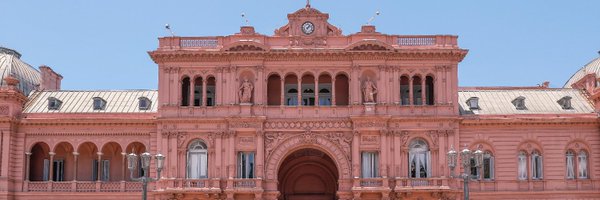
(99, 103)
(54, 103)
(519, 103)
(565, 103)
(473, 103)
(144, 103)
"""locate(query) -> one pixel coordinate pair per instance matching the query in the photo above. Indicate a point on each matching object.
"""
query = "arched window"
(582, 165)
(274, 90)
(488, 165)
(185, 91)
(404, 91)
(308, 90)
(341, 93)
(198, 91)
(417, 91)
(419, 159)
(291, 88)
(325, 88)
(570, 164)
(197, 160)
(429, 90)
(522, 165)
(537, 165)
(211, 91)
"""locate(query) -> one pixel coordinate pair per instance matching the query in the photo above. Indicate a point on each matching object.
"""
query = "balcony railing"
(371, 182)
(422, 183)
(189, 184)
(81, 186)
(244, 183)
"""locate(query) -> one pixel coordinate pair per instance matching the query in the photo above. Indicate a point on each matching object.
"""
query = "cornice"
(87, 134)
(455, 55)
(76, 122)
(523, 121)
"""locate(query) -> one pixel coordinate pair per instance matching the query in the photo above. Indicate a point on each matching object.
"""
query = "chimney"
(367, 29)
(50, 79)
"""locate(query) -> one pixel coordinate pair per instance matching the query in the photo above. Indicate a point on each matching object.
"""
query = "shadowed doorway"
(308, 174)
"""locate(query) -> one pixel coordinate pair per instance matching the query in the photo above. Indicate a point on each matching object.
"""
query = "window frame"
(246, 168)
(197, 147)
(374, 162)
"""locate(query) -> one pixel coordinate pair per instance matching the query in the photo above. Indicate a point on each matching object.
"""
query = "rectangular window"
(536, 166)
(197, 165)
(105, 170)
(58, 170)
(46, 170)
(370, 164)
(474, 169)
(522, 167)
(246, 165)
(488, 167)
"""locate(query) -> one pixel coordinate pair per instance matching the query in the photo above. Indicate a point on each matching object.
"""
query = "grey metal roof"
(125, 101)
(591, 67)
(11, 64)
(537, 101)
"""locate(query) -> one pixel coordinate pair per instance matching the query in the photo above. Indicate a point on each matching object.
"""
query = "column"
(423, 90)
(396, 87)
(355, 155)
(299, 91)
(232, 154)
(123, 171)
(218, 154)
(75, 160)
(51, 168)
(282, 99)
(27, 161)
(316, 91)
(191, 87)
(219, 86)
(384, 153)
(410, 91)
(333, 102)
(99, 167)
(259, 86)
(204, 81)
(260, 154)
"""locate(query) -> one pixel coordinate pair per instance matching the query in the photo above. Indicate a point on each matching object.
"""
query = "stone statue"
(369, 90)
(245, 91)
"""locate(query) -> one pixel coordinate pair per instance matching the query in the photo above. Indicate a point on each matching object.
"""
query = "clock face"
(308, 28)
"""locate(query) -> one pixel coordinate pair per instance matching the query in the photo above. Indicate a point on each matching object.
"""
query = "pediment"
(245, 46)
(370, 45)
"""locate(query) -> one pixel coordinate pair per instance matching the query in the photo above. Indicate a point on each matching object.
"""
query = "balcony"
(371, 185)
(404, 184)
(82, 186)
(190, 185)
(243, 185)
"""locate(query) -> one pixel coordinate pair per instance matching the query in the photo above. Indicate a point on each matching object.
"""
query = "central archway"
(308, 174)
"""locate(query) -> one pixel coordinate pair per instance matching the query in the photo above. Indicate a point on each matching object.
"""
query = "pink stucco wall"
(301, 152)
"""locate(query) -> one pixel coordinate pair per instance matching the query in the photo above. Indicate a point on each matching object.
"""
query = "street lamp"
(465, 155)
(132, 162)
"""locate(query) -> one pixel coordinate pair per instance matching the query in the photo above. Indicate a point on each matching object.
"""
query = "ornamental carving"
(403, 137)
(307, 124)
(272, 140)
(181, 137)
(370, 124)
(244, 124)
(369, 139)
(434, 137)
(308, 137)
(4, 110)
(343, 139)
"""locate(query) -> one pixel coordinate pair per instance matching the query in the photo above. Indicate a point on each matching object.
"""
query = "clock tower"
(308, 27)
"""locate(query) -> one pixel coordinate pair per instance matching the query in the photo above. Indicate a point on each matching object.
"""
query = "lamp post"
(465, 156)
(132, 161)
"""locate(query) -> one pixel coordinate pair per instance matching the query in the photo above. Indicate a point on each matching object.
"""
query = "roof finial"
(307, 3)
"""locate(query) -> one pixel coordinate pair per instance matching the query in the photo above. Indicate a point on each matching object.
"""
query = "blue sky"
(104, 44)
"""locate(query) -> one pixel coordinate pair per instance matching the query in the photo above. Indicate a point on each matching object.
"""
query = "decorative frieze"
(324, 124)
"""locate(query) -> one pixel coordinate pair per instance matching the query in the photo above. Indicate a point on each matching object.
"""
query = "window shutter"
(541, 167)
(492, 168)
(105, 170)
(46, 169)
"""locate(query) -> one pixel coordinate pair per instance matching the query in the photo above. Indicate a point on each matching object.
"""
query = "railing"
(427, 40)
(371, 182)
(415, 183)
(81, 186)
(244, 183)
(189, 183)
(416, 41)
(199, 43)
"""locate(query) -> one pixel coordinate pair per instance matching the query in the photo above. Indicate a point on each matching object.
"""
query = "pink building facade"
(306, 113)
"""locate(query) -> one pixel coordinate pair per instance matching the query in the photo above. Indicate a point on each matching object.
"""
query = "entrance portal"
(308, 174)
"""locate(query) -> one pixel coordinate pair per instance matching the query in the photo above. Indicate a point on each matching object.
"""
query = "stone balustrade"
(81, 186)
